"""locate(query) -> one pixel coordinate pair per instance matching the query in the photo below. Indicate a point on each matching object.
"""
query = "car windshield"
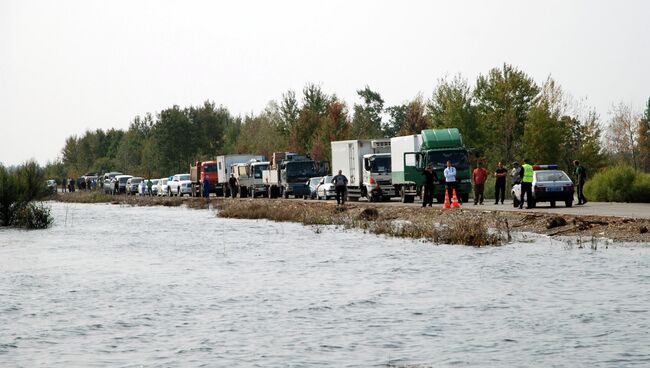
(123, 180)
(551, 176)
(210, 167)
(328, 179)
(458, 159)
(315, 181)
(380, 165)
(163, 181)
(184, 177)
(257, 170)
(135, 180)
(301, 168)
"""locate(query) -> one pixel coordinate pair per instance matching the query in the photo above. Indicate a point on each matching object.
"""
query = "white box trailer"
(358, 160)
(399, 146)
(224, 169)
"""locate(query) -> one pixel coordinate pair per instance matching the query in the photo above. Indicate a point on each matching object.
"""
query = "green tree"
(366, 120)
(172, 141)
(415, 119)
(504, 98)
(622, 135)
(261, 134)
(396, 119)
(644, 139)
(334, 126)
(451, 107)
(289, 112)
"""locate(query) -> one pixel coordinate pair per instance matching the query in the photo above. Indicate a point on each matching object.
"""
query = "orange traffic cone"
(447, 204)
(454, 200)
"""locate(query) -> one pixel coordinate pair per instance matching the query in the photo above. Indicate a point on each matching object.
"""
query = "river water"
(116, 286)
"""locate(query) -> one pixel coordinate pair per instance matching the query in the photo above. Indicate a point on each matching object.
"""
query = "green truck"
(412, 153)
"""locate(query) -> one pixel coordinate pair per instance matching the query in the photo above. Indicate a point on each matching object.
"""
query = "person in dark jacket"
(500, 183)
(581, 176)
(206, 187)
(430, 178)
(232, 183)
(340, 185)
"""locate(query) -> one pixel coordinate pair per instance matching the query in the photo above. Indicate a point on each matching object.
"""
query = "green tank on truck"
(411, 154)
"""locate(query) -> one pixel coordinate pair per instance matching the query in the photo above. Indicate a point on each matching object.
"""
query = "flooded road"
(115, 286)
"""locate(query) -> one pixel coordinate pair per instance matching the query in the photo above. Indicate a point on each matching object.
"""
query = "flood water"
(117, 286)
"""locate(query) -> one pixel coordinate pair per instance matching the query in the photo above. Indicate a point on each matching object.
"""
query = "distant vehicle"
(313, 184)
(249, 178)
(51, 186)
(549, 185)
(162, 187)
(121, 179)
(367, 165)
(288, 173)
(106, 181)
(225, 164)
(154, 186)
(326, 188)
(199, 172)
(132, 185)
(179, 185)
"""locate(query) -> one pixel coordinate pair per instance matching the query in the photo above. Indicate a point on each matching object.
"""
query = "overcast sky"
(70, 66)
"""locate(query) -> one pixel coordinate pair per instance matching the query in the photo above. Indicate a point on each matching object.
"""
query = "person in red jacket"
(479, 176)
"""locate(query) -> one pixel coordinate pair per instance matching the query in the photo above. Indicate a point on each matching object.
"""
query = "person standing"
(429, 179)
(450, 179)
(479, 175)
(232, 182)
(143, 188)
(500, 183)
(64, 184)
(526, 185)
(581, 176)
(149, 187)
(206, 187)
(116, 186)
(340, 186)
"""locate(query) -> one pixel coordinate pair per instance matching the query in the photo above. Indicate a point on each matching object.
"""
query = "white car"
(162, 186)
(326, 188)
(154, 186)
(549, 185)
(179, 185)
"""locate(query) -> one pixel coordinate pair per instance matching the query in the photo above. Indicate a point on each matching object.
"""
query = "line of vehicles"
(377, 170)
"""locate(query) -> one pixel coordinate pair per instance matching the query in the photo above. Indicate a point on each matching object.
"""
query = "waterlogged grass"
(459, 228)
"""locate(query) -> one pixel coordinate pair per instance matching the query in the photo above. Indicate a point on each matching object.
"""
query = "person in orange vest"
(479, 176)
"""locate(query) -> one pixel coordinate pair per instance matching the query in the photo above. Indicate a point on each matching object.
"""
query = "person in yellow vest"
(526, 185)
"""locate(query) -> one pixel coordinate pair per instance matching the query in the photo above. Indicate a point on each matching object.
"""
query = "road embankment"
(468, 225)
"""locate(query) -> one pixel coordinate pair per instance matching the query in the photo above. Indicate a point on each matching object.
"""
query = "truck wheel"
(285, 194)
(552, 204)
(569, 202)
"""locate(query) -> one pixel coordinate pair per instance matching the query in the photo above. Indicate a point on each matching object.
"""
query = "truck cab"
(249, 178)
(289, 172)
(377, 178)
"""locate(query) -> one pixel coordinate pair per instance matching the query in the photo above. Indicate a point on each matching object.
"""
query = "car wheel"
(552, 204)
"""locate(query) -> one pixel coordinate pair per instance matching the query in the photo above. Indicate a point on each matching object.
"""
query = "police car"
(549, 185)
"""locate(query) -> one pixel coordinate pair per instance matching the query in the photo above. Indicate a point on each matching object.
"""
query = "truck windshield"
(380, 165)
(257, 171)
(458, 159)
(301, 168)
(210, 167)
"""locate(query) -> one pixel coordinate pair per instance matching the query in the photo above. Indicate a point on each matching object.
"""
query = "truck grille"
(384, 182)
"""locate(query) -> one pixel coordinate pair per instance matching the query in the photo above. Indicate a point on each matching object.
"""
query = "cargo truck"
(198, 172)
(411, 154)
(224, 170)
(367, 165)
(288, 174)
(249, 178)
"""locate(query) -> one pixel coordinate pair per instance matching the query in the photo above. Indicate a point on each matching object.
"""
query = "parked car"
(326, 188)
(121, 180)
(179, 185)
(154, 186)
(132, 185)
(51, 186)
(313, 184)
(549, 185)
(106, 181)
(162, 186)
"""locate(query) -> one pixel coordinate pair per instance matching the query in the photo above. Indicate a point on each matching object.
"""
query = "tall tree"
(504, 98)
(415, 119)
(451, 107)
(314, 107)
(172, 140)
(644, 139)
(622, 134)
(366, 121)
(334, 126)
(396, 119)
(289, 112)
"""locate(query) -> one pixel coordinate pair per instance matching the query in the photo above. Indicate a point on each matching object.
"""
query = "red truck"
(198, 172)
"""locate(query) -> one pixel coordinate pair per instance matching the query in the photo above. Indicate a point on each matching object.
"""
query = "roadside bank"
(467, 225)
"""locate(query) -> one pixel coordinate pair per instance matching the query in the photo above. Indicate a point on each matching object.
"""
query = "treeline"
(504, 116)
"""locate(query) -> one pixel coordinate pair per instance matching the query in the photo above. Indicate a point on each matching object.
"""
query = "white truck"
(249, 178)
(399, 146)
(224, 170)
(367, 165)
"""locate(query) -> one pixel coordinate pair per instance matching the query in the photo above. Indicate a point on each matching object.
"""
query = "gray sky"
(69, 66)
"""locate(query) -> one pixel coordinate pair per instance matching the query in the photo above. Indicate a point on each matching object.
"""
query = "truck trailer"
(288, 174)
(412, 153)
(367, 165)
(199, 172)
(249, 178)
(224, 170)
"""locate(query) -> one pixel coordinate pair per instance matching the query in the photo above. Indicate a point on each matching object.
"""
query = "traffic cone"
(447, 204)
(454, 200)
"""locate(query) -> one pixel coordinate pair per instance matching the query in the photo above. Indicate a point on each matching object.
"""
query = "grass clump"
(18, 189)
(619, 184)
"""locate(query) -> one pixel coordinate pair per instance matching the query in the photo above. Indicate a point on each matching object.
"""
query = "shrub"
(619, 184)
(17, 189)
(33, 216)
